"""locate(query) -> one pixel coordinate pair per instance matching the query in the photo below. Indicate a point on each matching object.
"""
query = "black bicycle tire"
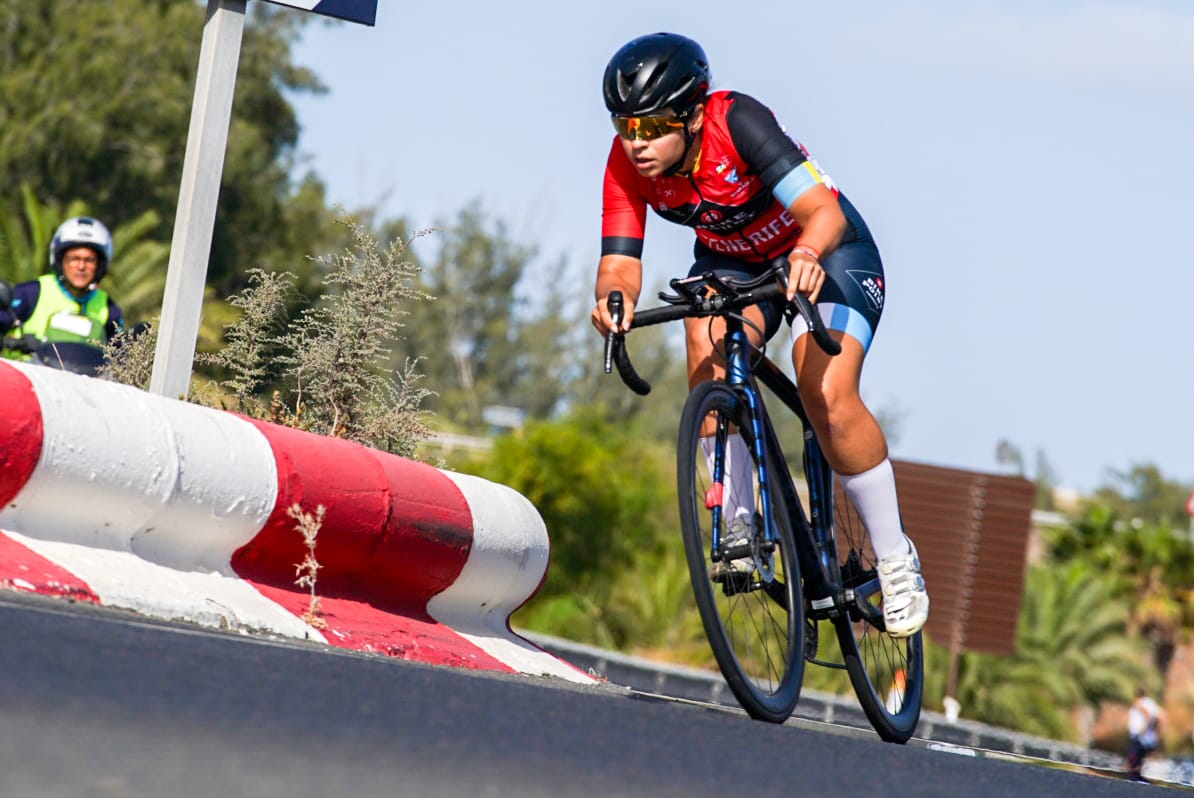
(775, 705)
(899, 725)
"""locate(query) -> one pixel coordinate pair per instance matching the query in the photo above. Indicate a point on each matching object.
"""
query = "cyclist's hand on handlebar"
(804, 274)
(602, 319)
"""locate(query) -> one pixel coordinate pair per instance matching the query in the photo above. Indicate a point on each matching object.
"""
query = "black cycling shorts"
(851, 299)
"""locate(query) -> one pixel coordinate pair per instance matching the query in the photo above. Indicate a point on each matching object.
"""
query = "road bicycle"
(762, 598)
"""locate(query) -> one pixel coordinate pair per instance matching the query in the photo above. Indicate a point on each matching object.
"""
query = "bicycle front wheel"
(887, 674)
(753, 615)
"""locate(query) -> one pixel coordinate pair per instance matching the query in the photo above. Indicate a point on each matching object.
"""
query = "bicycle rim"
(754, 622)
(887, 674)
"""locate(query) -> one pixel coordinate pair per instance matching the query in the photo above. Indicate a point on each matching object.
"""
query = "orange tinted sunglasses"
(646, 127)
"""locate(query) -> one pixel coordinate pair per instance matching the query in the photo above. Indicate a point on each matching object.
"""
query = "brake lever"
(616, 309)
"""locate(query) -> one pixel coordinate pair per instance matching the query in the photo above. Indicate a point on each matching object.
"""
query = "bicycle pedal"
(738, 551)
(734, 583)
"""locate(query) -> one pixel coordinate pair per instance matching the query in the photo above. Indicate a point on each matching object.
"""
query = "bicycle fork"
(737, 376)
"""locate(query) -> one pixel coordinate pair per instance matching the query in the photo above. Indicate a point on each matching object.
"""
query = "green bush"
(604, 494)
(326, 371)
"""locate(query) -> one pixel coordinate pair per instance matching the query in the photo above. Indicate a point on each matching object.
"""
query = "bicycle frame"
(816, 547)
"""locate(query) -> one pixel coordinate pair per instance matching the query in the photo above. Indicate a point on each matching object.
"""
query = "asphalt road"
(100, 704)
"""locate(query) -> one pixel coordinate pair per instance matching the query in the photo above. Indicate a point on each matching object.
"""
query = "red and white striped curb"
(128, 499)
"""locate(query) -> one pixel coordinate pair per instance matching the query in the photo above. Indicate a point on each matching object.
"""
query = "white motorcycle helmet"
(82, 231)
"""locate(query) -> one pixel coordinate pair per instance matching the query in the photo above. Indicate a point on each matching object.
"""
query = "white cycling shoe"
(905, 600)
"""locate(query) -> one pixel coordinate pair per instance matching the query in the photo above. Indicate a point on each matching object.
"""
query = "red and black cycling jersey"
(748, 172)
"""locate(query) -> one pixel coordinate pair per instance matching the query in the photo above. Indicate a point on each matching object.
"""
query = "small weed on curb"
(307, 571)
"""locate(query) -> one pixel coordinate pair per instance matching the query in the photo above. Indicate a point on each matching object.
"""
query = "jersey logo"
(730, 177)
(666, 194)
(871, 285)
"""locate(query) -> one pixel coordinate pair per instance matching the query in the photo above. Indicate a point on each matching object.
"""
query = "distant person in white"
(1144, 721)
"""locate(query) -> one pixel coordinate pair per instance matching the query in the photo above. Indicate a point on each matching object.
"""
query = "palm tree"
(1152, 562)
(25, 234)
(1073, 648)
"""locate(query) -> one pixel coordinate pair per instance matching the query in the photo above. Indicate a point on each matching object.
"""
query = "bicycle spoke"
(777, 592)
(760, 629)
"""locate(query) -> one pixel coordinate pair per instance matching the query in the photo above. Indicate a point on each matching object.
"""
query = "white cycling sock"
(873, 493)
(738, 482)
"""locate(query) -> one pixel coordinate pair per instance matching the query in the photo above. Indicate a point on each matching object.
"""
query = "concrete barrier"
(130, 499)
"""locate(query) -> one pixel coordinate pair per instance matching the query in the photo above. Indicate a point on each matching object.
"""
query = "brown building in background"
(971, 531)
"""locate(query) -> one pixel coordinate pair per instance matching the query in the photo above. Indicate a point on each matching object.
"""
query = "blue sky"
(1026, 168)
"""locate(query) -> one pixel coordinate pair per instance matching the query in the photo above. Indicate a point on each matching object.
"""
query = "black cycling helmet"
(656, 72)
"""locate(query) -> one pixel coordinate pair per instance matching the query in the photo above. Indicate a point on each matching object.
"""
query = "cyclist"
(719, 162)
(66, 305)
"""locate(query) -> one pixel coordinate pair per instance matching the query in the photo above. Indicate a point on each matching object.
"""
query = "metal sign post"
(199, 192)
(202, 168)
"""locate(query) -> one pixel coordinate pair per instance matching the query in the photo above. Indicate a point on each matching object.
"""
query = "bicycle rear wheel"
(754, 620)
(887, 674)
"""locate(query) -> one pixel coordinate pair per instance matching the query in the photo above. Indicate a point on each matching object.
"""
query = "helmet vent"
(650, 82)
(685, 88)
(623, 87)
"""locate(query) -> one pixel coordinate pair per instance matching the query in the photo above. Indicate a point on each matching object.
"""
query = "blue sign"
(363, 11)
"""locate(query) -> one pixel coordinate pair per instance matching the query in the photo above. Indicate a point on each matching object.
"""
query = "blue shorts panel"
(851, 300)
